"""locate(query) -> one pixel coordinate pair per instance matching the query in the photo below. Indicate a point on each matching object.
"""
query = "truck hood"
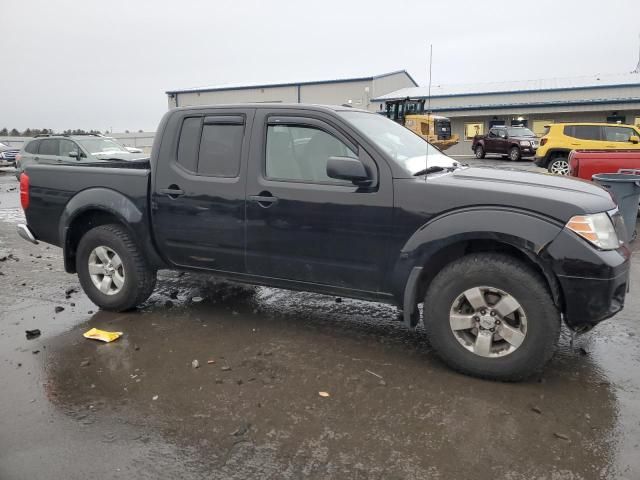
(550, 195)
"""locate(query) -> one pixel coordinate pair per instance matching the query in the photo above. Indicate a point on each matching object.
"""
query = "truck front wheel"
(491, 316)
(514, 154)
(112, 271)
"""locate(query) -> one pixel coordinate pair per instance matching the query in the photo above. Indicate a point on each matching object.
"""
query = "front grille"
(10, 154)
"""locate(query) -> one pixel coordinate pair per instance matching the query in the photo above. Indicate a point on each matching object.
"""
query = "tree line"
(32, 132)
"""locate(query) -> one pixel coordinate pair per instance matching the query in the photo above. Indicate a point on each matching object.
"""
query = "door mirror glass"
(347, 168)
(73, 154)
(503, 134)
(634, 139)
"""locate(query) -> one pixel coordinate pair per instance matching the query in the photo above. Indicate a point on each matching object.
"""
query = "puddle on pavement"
(256, 410)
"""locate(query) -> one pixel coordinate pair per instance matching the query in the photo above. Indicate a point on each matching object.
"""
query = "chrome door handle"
(265, 199)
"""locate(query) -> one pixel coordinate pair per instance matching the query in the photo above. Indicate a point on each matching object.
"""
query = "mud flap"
(411, 314)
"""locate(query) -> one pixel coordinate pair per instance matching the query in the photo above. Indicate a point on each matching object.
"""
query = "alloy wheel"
(488, 322)
(106, 270)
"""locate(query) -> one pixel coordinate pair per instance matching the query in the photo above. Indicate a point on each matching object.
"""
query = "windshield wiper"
(429, 170)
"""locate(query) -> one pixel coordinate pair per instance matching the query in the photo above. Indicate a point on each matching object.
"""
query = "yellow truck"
(433, 128)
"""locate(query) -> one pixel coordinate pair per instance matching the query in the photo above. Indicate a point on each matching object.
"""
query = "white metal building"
(474, 108)
(355, 91)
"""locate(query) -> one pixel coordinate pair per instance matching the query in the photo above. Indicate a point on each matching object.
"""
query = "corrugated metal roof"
(542, 85)
(244, 86)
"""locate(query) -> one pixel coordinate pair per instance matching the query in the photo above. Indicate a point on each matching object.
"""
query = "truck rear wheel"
(491, 316)
(479, 151)
(112, 271)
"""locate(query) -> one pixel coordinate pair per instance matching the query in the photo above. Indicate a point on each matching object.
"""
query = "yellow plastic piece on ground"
(102, 335)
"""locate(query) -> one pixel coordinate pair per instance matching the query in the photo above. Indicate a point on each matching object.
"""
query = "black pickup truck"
(343, 202)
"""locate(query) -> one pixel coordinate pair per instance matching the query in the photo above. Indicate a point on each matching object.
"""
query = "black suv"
(50, 149)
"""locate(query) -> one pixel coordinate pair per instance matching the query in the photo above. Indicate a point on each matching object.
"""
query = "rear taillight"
(543, 141)
(24, 190)
(574, 166)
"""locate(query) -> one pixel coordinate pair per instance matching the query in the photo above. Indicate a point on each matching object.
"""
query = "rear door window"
(584, 132)
(189, 142)
(50, 146)
(221, 146)
(32, 147)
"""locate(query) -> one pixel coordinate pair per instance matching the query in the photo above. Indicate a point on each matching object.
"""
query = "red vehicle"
(586, 163)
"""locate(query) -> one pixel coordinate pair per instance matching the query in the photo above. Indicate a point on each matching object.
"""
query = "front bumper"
(593, 282)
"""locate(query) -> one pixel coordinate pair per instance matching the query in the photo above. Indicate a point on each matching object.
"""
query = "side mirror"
(634, 139)
(73, 154)
(347, 168)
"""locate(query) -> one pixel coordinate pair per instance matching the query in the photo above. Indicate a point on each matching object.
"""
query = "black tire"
(479, 152)
(559, 166)
(139, 279)
(522, 283)
(514, 154)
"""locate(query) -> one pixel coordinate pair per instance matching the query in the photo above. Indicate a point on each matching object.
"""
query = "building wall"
(338, 93)
(246, 95)
(458, 122)
(388, 84)
(359, 93)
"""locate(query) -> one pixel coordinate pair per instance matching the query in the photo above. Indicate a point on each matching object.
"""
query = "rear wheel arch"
(79, 225)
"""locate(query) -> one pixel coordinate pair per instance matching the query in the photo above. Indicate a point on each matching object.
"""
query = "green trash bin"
(625, 189)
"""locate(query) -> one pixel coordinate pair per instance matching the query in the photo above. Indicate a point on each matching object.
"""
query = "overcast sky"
(106, 64)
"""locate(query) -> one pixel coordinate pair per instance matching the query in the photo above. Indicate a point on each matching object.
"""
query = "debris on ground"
(561, 436)
(374, 374)
(324, 394)
(196, 299)
(31, 334)
(195, 364)
(211, 361)
(35, 352)
(102, 335)
(226, 368)
(338, 300)
(155, 397)
(537, 410)
(241, 430)
(85, 363)
(59, 309)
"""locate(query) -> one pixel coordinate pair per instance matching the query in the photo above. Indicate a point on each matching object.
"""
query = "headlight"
(525, 143)
(597, 229)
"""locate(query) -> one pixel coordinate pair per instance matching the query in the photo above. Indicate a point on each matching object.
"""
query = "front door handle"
(173, 191)
(264, 199)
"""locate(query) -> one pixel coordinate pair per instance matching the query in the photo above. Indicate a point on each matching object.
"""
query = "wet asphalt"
(72, 408)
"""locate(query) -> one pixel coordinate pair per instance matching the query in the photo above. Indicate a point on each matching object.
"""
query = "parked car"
(586, 163)
(64, 149)
(343, 202)
(7, 155)
(562, 138)
(512, 142)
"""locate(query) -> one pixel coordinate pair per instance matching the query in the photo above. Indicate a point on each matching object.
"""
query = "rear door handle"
(264, 199)
(173, 191)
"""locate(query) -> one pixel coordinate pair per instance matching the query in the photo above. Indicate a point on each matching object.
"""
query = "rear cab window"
(212, 145)
(32, 146)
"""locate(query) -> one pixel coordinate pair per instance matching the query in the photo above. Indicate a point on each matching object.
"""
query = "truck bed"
(52, 187)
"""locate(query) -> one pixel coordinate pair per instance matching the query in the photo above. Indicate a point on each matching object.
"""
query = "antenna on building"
(637, 70)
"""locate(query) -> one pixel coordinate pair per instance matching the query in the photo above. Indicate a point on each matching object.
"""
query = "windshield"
(100, 146)
(405, 147)
(520, 132)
